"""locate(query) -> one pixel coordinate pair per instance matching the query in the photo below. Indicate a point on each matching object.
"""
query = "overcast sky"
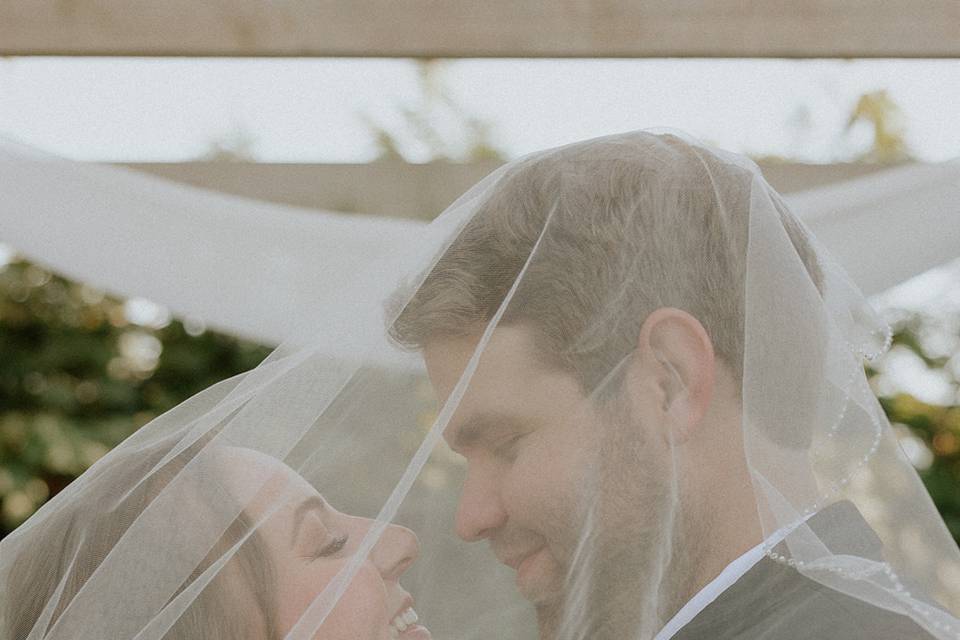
(319, 110)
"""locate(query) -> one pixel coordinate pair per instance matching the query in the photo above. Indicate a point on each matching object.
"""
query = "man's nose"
(481, 511)
(395, 551)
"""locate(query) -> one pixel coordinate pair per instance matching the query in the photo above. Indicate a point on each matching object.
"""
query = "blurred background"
(80, 369)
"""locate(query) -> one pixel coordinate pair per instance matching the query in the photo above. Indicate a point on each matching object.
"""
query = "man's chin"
(550, 615)
(539, 578)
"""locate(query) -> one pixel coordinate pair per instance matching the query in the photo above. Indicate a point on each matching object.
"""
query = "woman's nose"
(397, 549)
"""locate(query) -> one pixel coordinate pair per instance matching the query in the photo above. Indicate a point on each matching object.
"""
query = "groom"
(603, 438)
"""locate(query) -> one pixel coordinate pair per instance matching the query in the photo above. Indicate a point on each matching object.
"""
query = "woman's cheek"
(361, 613)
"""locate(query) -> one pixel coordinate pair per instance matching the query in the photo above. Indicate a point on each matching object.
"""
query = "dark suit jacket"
(775, 602)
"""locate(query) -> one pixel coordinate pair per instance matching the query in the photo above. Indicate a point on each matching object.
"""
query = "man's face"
(548, 482)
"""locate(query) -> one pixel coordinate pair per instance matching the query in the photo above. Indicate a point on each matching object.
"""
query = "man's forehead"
(506, 352)
(510, 385)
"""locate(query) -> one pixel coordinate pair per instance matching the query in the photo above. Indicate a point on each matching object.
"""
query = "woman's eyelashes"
(318, 540)
(331, 548)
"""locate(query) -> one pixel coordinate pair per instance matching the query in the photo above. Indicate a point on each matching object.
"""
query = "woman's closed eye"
(330, 548)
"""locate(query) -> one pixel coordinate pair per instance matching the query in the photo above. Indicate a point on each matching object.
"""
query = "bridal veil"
(607, 376)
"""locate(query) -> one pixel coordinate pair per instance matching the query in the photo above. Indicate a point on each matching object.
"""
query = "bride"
(270, 575)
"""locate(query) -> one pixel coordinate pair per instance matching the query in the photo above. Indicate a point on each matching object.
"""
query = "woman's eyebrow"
(313, 503)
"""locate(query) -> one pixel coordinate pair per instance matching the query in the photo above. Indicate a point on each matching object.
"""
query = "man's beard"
(626, 574)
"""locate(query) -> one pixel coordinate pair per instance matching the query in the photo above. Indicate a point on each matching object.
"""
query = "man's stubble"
(626, 570)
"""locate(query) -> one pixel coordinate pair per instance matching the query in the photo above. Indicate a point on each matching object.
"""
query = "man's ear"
(676, 361)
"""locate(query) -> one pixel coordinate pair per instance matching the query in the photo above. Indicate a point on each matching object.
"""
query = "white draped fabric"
(261, 270)
(887, 227)
(254, 269)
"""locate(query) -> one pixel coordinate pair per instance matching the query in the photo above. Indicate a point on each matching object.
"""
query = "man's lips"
(514, 561)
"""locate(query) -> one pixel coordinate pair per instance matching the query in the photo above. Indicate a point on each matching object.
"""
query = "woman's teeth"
(402, 620)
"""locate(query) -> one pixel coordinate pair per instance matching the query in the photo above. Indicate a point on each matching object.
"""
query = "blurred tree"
(937, 427)
(236, 146)
(934, 427)
(889, 130)
(436, 128)
(78, 377)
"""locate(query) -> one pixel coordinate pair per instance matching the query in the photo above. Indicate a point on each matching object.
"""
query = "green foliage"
(77, 378)
(938, 427)
(889, 131)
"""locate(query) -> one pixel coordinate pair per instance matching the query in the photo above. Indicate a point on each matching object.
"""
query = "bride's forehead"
(248, 470)
(229, 458)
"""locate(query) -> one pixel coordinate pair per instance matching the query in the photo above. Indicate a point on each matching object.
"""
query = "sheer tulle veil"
(605, 375)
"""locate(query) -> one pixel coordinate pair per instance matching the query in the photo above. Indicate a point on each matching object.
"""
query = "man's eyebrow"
(313, 503)
(481, 429)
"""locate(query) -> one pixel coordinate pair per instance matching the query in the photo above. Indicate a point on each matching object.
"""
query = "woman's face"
(310, 542)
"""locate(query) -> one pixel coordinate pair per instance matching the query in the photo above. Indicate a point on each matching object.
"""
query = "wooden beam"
(489, 28)
(408, 190)
(383, 188)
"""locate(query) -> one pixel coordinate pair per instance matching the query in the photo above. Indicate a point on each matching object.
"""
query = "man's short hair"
(635, 224)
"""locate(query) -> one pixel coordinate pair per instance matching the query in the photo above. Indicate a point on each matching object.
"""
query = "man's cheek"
(538, 495)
